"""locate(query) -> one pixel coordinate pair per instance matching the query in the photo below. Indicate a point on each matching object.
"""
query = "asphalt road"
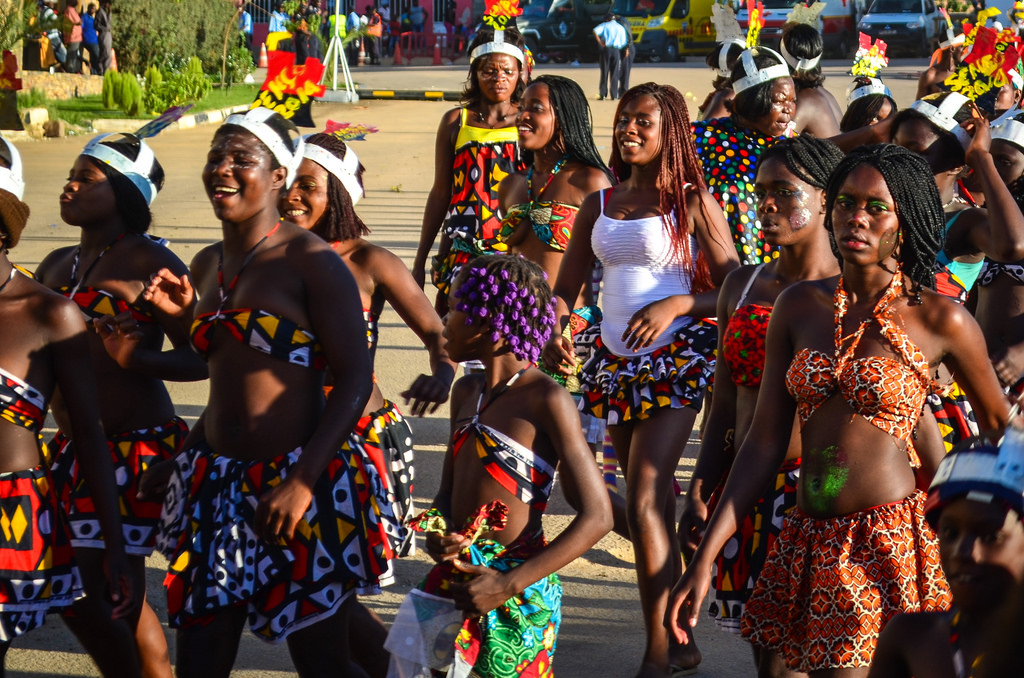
(601, 633)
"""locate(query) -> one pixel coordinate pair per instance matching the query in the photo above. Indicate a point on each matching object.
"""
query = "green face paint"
(822, 489)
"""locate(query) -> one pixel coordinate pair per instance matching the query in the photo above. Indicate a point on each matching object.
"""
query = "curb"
(184, 122)
(341, 95)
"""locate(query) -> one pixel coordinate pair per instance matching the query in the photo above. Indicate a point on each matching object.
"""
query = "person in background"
(104, 32)
(611, 40)
(374, 32)
(278, 19)
(628, 54)
(307, 45)
(352, 23)
(90, 41)
(245, 26)
(50, 24)
(72, 25)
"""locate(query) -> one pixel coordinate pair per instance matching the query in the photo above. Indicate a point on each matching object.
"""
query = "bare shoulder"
(468, 386)
(589, 179)
(206, 259)
(52, 260)
(807, 296)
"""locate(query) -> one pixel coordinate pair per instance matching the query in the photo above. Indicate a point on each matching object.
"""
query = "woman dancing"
(790, 192)
(270, 478)
(852, 361)
(664, 245)
(108, 196)
(45, 347)
(476, 144)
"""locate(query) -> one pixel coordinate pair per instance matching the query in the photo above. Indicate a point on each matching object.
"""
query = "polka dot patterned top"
(729, 154)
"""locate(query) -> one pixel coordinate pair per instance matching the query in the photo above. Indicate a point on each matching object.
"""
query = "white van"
(905, 25)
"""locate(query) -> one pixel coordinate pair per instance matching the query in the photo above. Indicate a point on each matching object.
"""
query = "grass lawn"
(85, 109)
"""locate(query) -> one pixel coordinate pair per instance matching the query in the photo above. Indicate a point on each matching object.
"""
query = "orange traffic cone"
(113, 59)
(398, 54)
(437, 52)
(263, 55)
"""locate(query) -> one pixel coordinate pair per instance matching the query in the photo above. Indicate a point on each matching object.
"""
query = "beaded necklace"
(245, 262)
(76, 282)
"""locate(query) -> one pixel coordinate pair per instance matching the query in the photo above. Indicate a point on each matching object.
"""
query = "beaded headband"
(942, 116)
(345, 169)
(254, 121)
(136, 171)
(755, 76)
(798, 64)
(875, 86)
(10, 178)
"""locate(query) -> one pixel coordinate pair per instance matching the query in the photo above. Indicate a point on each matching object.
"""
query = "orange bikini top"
(888, 392)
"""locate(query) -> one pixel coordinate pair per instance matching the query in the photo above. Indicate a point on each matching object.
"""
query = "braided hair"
(951, 147)
(918, 206)
(511, 296)
(678, 165)
(810, 159)
(340, 220)
(130, 204)
(862, 111)
(574, 120)
(803, 41)
(471, 94)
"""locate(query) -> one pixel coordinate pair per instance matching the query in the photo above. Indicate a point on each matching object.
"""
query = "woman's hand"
(692, 523)
(981, 136)
(119, 582)
(121, 335)
(281, 509)
(558, 356)
(154, 480)
(426, 391)
(487, 590)
(686, 600)
(169, 293)
(650, 322)
(446, 547)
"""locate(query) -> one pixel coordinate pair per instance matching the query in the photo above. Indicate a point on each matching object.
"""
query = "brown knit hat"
(14, 216)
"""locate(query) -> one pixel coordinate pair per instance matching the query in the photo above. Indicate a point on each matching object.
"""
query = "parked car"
(665, 29)
(836, 24)
(562, 29)
(913, 26)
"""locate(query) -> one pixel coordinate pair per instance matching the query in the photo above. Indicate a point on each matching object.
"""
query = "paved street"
(600, 632)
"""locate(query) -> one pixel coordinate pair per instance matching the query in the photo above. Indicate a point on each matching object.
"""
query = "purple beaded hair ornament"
(511, 310)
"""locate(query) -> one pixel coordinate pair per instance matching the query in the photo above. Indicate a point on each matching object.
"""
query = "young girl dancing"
(512, 426)
(664, 244)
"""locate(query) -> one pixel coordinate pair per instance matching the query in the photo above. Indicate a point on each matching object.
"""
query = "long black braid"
(811, 159)
(575, 122)
(918, 206)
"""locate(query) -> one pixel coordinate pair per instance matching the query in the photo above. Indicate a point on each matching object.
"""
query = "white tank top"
(639, 268)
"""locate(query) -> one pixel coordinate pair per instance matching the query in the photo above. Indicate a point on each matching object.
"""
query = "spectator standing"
(418, 16)
(51, 29)
(374, 32)
(278, 20)
(104, 34)
(307, 45)
(628, 54)
(72, 25)
(90, 41)
(245, 28)
(611, 39)
(352, 49)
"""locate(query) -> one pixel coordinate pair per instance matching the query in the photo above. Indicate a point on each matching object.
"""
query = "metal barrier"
(438, 46)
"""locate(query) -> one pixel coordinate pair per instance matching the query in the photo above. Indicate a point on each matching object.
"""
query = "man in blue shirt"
(611, 40)
(91, 40)
(245, 27)
(278, 20)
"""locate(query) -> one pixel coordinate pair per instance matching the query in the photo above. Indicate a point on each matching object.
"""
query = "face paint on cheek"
(800, 216)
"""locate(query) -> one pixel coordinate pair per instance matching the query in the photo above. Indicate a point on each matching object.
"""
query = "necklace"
(76, 282)
(245, 262)
(10, 277)
(529, 180)
(482, 117)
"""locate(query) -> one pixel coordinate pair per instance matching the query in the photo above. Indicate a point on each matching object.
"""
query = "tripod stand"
(336, 51)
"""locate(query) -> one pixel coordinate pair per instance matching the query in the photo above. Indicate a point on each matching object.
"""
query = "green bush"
(111, 90)
(156, 31)
(239, 65)
(153, 77)
(175, 88)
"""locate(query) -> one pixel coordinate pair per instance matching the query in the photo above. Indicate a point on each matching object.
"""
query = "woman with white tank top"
(665, 246)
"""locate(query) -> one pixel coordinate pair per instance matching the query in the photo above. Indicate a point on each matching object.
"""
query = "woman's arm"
(336, 317)
(583, 487)
(760, 457)
(572, 273)
(70, 350)
(440, 192)
(407, 298)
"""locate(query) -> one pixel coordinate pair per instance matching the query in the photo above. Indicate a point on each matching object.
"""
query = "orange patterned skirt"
(830, 585)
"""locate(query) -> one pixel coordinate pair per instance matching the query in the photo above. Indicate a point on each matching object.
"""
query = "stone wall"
(61, 85)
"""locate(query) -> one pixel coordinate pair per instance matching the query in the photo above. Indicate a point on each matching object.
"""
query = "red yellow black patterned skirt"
(676, 375)
(218, 561)
(131, 453)
(37, 570)
(830, 585)
(739, 565)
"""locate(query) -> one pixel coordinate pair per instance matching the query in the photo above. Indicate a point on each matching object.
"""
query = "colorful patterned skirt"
(515, 640)
(217, 560)
(445, 269)
(131, 453)
(621, 389)
(37, 570)
(387, 441)
(829, 586)
(739, 565)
